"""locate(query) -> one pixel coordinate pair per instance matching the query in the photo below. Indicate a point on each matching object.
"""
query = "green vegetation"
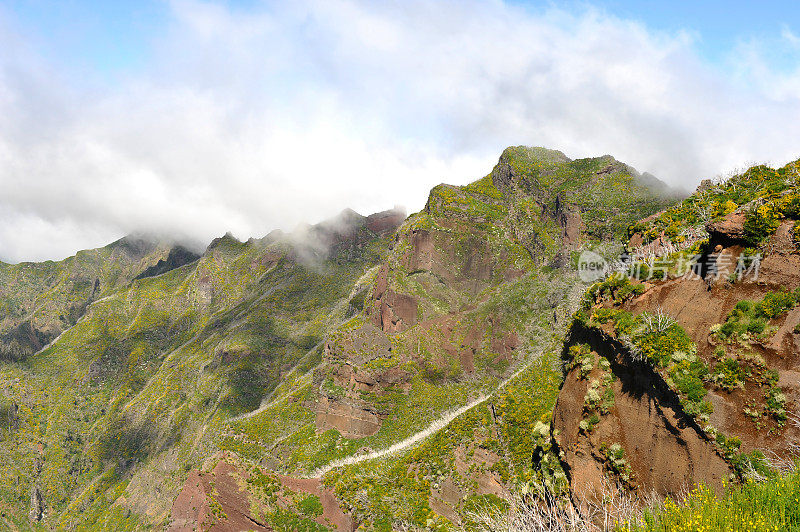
(755, 506)
(660, 341)
(776, 404)
(729, 374)
(616, 289)
(770, 195)
(749, 320)
(617, 463)
(151, 371)
(153, 374)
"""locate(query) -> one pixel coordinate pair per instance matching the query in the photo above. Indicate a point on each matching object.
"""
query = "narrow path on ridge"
(412, 440)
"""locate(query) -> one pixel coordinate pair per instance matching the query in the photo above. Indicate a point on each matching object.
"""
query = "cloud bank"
(288, 112)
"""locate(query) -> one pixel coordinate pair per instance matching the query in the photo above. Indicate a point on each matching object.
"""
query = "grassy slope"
(39, 300)
(120, 403)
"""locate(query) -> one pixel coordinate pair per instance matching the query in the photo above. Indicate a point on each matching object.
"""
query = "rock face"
(393, 311)
(213, 502)
(729, 230)
(344, 380)
(664, 449)
(228, 498)
(444, 261)
(351, 420)
(332, 514)
(387, 221)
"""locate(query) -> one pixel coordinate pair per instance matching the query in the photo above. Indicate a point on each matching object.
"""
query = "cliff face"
(691, 374)
(448, 261)
(642, 437)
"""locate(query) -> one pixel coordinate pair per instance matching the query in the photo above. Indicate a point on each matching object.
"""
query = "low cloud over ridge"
(288, 112)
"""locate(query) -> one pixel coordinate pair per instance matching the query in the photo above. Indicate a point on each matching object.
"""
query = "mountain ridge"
(267, 360)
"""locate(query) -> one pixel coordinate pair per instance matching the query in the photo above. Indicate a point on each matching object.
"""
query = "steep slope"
(40, 300)
(689, 375)
(110, 417)
(211, 393)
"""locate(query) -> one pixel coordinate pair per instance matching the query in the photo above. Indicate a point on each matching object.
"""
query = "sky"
(191, 118)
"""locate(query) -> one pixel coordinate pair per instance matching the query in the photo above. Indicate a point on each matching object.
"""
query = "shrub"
(592, 397)
(774, 304)
(776, 404)
(588, 425)
(761, 222)
(581, 356)
(310, 506)
(753, 317)
(608, 400)
(687, 377)
(659, 346)
(615, 458)
(756, 326)
(728, 374)
(658, 321)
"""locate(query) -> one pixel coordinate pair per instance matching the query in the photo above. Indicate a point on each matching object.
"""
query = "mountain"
(392, 372)
(41, 300)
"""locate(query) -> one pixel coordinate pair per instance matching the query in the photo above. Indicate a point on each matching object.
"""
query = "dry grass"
(613, 505)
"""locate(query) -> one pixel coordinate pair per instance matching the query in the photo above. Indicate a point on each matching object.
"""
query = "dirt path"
(414, 439)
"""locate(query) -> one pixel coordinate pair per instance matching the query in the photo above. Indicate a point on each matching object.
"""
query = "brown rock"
(728, 230)
(665, 449)
(351, 419)
(192, 511)
(331, 511)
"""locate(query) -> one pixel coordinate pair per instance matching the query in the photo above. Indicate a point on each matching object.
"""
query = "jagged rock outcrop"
(392, 311)
(226, 495)
(344, 379)
(213, 501)
(729, 230)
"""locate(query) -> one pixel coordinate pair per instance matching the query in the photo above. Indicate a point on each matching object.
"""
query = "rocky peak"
(225, 240)
(519, 165)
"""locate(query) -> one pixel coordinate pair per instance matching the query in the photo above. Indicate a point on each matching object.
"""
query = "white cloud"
(292, 111)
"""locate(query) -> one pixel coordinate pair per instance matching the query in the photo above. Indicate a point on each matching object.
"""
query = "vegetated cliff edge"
(690, 376)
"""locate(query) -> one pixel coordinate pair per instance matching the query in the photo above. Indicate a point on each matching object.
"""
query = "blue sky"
(192, 118)
(92, 36)
(112, 37)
